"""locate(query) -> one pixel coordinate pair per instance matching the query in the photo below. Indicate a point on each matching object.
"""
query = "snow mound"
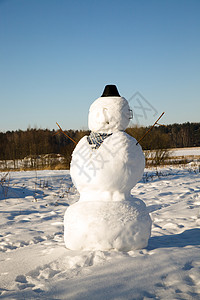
(123, 225)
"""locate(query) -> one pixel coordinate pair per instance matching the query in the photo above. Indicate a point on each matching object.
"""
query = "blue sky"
(56, 56)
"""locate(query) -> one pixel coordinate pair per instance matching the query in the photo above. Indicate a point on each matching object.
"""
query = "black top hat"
(110, 91)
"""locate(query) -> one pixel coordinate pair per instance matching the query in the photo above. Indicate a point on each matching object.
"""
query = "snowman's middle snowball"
(109, 172)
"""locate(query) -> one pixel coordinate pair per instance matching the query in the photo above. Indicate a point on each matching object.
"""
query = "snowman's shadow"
(189, 237)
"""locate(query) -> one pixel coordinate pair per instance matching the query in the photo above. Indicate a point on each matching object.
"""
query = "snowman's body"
(107, 216)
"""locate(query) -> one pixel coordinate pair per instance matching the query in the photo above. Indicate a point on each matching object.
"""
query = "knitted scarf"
(96, 139)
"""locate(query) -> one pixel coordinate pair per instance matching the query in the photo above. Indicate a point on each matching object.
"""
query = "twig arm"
(156, 122)
(66, 134)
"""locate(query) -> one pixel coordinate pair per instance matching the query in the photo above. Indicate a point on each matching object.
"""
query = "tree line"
(33, 142)
(169, 136)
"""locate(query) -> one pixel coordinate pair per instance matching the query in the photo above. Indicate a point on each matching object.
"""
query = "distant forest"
(33, 142)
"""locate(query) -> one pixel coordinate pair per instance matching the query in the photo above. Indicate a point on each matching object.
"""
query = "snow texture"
(106, 216)
(35, 264)
(109, 172)
(107, 225)
(109, 114)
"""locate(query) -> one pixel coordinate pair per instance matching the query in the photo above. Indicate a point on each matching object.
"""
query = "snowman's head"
(110, 112)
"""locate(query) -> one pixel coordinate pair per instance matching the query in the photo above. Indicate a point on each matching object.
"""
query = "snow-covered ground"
(190, 151)
(34, 263)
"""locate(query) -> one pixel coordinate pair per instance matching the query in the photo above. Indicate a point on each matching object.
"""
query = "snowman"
(105, 166)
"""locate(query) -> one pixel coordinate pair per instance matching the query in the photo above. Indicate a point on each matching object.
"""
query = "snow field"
(35, 264)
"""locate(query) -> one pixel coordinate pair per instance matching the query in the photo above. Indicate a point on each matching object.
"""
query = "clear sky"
(56, 56)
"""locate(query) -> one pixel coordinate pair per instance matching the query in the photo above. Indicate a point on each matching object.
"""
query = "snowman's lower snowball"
(123, 225)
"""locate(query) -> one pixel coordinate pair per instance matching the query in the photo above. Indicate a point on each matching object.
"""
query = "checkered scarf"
(96, 139)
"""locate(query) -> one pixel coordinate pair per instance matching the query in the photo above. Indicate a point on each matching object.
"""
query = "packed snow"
(107, 216)
(115, 167)
(35, 263)
(104, 169)
(109, 114)
(105, 225)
